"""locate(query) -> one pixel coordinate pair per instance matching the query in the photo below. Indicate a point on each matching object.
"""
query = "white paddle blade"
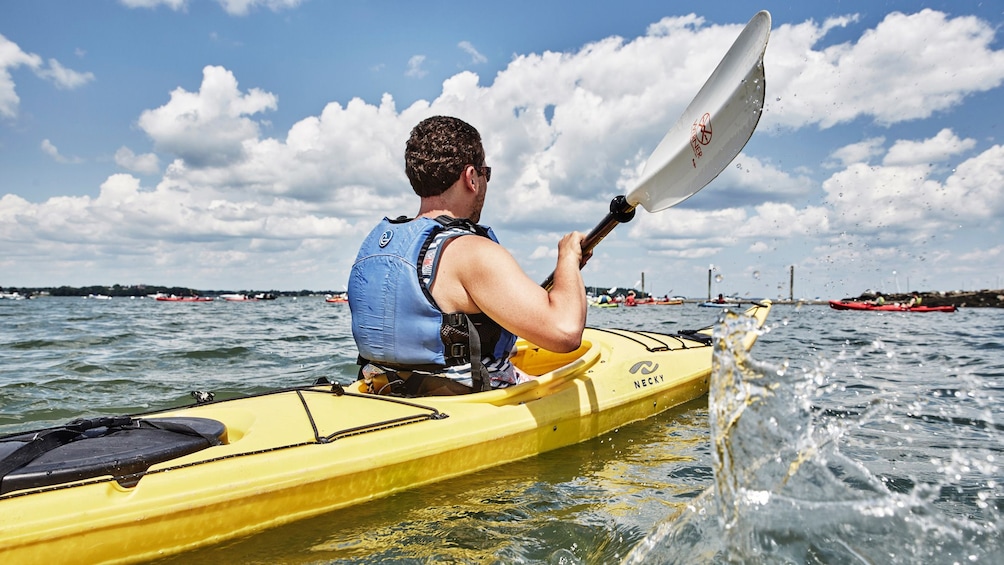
(714, 127)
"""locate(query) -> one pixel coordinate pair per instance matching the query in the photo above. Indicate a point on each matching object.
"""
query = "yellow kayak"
(202, 474)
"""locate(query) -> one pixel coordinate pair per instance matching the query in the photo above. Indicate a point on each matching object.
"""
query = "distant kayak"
(238, 298)
(840, 305)
(717, 304)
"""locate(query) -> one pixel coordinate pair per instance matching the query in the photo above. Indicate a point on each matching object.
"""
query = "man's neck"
(435, 213)
(456, 202)
(437, 206)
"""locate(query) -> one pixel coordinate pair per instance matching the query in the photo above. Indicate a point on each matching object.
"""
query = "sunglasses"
(485, 171)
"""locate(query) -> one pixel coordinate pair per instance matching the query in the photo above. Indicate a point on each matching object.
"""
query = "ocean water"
(843, 437)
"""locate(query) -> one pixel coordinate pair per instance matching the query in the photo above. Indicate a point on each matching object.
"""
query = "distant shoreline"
(957, 298)
(138, 291)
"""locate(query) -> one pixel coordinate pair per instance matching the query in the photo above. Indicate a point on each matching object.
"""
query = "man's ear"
(471, 177)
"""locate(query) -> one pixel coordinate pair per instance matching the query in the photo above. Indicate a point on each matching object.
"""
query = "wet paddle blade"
(713, 129)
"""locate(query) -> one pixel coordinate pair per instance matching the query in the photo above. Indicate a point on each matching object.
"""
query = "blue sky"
(253, 143)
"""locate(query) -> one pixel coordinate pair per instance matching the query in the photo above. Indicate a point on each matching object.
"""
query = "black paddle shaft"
(621, 211)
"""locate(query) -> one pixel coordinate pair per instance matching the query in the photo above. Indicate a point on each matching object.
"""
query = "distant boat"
(337, 298)
(174, 298)
(248, 297)
(99, 297)
(660, 302)
(12, 296)
(840, 305)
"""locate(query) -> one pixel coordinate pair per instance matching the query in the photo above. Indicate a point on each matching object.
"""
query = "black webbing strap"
(45, 441)
(178, 428)
(35, 447)
(479, 374)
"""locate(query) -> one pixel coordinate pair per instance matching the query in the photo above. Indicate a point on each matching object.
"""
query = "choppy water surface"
(846, 437)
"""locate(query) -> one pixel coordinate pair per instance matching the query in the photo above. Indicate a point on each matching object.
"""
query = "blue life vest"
(395, 321)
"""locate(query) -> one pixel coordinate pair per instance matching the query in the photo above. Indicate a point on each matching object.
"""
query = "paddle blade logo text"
(700, 135)
(646, 368)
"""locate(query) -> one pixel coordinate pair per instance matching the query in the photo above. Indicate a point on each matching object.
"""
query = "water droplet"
(718, 278)
(756, 275)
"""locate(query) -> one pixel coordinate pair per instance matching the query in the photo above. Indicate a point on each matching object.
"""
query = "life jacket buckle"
(458, 351)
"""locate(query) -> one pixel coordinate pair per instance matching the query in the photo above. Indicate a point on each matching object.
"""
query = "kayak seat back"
(535, 361)
(124, 452)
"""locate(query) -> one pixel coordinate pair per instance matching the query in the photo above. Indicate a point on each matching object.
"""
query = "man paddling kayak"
(437, 312)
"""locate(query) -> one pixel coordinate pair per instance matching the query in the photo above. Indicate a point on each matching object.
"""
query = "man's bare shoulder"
(477, 261)
(474, 246)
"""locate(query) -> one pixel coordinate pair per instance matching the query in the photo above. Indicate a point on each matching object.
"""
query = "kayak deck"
(296, 453)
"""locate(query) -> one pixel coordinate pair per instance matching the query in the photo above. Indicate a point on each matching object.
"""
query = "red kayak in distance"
(839, 305)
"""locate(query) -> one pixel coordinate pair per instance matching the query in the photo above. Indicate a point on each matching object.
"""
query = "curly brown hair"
(437, 152)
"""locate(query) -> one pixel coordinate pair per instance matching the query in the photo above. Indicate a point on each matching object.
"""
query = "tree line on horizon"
(117, 290)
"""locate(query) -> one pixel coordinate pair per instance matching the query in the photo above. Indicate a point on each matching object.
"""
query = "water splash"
(807, 470)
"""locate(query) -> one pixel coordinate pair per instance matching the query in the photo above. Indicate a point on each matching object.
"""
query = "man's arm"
(479, 275)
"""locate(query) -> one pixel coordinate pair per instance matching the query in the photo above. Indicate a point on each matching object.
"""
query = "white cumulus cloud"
(907, 67)
(147, 164)
(476, 56)
(209, 126)
(415, 69)
(51, 150)
(939, 148)
(64, 78)
(12, 57)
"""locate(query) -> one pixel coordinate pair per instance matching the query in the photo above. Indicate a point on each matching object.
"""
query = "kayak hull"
(840, 305)
(297, 453)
